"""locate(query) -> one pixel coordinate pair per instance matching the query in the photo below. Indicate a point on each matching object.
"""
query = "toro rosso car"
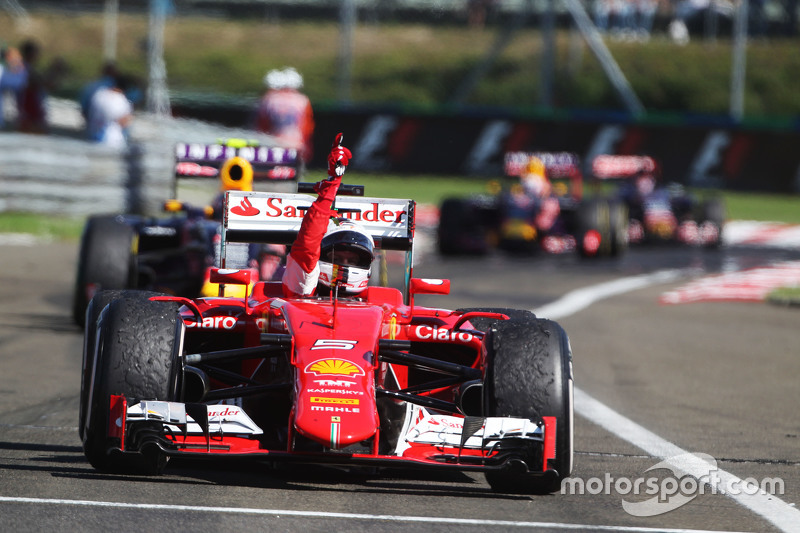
(172, 254)
(374, 380)
(511, 218)
(660, 212)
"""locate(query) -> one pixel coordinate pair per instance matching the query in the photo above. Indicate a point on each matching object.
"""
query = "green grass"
(216, 57)
(56, 227)
(789, 296)
(766, 207)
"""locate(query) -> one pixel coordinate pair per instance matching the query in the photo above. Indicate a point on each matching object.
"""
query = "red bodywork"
(343, 365)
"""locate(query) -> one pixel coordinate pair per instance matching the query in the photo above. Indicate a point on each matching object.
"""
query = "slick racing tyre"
(594, 235)
(714, 213)
(95, 307)
(106, 261)
(483, 323)
(452, 219)
(618, 221)
(460, 231)
(138, 343)
(529, 375)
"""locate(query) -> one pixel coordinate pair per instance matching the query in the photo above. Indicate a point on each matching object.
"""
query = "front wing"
(426, 439)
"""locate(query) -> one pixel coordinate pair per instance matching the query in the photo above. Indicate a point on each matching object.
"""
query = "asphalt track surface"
(653, 381)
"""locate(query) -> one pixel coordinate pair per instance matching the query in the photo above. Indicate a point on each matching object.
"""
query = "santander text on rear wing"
(275, 218)
(269, 217)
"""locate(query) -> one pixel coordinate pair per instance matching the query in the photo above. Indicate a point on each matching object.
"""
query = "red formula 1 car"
(374, 380)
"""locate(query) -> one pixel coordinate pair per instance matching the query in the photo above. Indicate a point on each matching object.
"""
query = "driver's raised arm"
(302, 265)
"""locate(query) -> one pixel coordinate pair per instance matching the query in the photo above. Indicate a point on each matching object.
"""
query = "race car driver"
(329, 254)
(538, 188)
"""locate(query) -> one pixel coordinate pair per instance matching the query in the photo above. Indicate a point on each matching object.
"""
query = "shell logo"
(334, 367)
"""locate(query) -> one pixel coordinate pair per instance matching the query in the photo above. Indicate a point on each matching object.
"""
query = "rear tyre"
(138, 356)
(106, 261)
(529, 375)
(460, 231)
(618, 221)
(452, 219)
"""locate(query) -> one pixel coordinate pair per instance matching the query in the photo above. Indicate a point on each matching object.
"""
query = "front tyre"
(713, 215)
(138, 356)
(98, 302)
(594, 234)
(106, 261)
(529, 375)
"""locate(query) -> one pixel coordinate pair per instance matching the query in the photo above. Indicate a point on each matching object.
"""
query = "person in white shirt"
(110, 114)
(13, 77)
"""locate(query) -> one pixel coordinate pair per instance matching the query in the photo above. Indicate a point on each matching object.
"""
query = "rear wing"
(269, 163)
(563, 169)
(275, 218)
(606, 167)
(556, 164)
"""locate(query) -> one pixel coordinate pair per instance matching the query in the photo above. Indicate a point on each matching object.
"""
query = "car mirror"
(429, 286)
(227, 275)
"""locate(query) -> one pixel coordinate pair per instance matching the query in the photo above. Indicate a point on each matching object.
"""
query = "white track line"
(580, 299)
(350, 516)
(779, 513)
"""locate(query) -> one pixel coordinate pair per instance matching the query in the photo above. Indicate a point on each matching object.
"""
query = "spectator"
(110, 114)
(603, 13)
(477, 11)
(13, 77)
(32, 117)
(789, 25)
(108, 73)
(757, 18)
(646, 13)
(285, 112)
(684, 11)
(624, 22)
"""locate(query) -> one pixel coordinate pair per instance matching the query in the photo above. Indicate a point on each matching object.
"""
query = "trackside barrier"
(65, 174)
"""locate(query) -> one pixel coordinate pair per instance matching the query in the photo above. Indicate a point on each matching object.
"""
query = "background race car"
(539, 205)
(373, 379)
(172, 254)
(660, 212)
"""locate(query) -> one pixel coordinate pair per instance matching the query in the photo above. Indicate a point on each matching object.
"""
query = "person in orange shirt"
(285, 112)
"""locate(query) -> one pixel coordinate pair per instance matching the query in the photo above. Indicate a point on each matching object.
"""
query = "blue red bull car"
(370, 380)
(659, 212)
(508, 217)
